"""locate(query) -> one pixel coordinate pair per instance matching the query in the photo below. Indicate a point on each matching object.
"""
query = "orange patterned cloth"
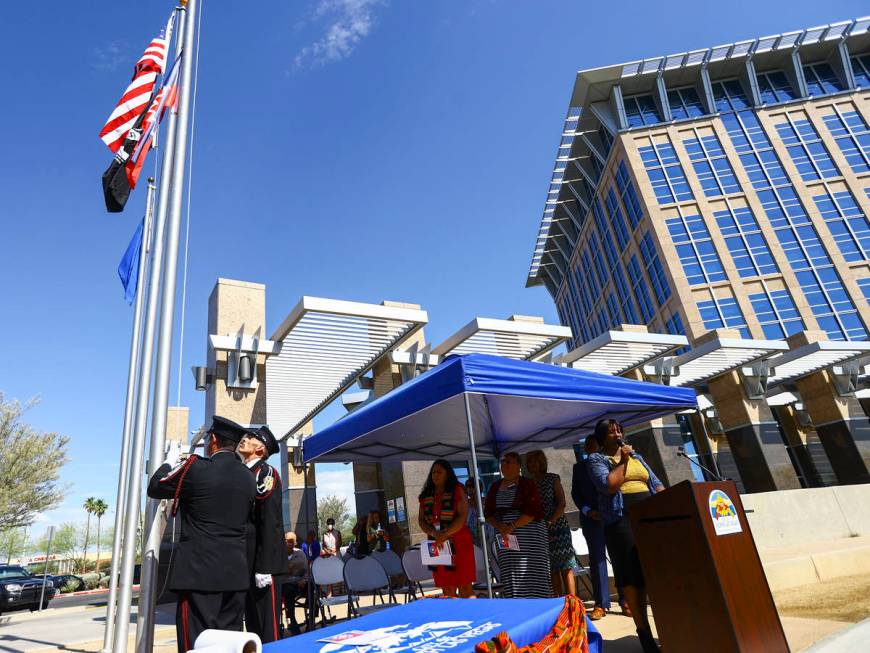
(568, 635)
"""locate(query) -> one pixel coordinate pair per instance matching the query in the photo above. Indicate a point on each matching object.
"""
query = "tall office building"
(727, 188)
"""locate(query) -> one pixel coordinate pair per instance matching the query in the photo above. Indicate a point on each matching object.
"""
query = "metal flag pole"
(153, 532)
(483, 543)
(132, 508)
(45, 570)
(132, 374)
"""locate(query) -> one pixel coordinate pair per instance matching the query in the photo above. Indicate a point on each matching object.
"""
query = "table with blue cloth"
(443, 625)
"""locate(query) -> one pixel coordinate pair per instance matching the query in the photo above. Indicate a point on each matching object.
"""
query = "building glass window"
(613, 309)
(695, 249)
(822, 287)
(641, 292)
(852, 136)
(729, 96)
(847, 223)
(777, 314)
(628, 310)
(617, 220)
(604, 232)
(606, 139)
(674, 326)
(821, 79)
(745, 242)
(723, 313)
(629, 195)
(711, 166)
(665, 173)
(586, 265)
(773, 87)
(685, 103)
(597, 262)
(810, 156)
(864, 285)
(641, 110)
(861, 70)
(654, 269)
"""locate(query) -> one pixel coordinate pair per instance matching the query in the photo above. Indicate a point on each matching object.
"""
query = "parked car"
(61, 581)
(19, 589)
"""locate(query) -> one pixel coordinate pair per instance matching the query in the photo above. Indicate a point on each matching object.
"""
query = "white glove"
(262, 580)
(173, 454)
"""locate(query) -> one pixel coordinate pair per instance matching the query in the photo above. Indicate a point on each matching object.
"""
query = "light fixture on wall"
(246, 368)
(203, 377)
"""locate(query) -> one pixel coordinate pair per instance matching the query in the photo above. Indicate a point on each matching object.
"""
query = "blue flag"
(128, 268)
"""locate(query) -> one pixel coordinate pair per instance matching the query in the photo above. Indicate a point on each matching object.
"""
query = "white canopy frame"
(618, 352)
(719, 356)
(813, 357)
(519, 339)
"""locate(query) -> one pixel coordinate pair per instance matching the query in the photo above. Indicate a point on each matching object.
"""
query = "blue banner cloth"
(442, 625)
(513, 405)
(128, 268)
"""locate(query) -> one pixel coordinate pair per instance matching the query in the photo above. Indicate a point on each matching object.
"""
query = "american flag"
(138, 93)
(165, 99)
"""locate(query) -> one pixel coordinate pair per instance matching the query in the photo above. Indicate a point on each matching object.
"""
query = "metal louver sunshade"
(517, 339)
(814, 357)
(326, 344)
(720, 355)
(617, 352)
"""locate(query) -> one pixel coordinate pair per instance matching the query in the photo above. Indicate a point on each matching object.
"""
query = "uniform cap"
(264, 435)
(227, 428)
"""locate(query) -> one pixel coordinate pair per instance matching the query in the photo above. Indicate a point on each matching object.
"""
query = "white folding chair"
(326, 572)
(392, 564)
(480, 587)
(416, 572)
(366, 576)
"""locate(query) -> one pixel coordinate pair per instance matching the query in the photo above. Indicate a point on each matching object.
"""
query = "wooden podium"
(703, 574)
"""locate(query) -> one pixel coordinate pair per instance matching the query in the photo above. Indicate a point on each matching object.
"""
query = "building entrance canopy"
(511, 406)
(326, 344)
(516, 338)
(812, 357)
(719, 356)
(618, 352)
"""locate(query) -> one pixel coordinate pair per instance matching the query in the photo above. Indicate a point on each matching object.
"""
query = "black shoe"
(647, 641)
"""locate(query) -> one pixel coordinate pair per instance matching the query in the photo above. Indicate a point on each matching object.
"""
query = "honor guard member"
(266, 551)
(215, 496)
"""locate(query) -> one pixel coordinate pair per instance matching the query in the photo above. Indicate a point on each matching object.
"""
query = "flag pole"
(132, 375)
(172, 207)
(133, 504)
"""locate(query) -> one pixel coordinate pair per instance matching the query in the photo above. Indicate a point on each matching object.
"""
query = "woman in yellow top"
(622, 479)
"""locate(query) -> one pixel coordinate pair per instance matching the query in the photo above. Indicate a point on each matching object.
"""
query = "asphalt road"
(63, 626)
(69, 600)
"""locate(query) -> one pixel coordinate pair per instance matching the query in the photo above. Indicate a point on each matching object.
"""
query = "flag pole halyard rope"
(187, 211)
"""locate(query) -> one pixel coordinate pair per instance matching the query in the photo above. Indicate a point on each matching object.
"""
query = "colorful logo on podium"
(723, 513)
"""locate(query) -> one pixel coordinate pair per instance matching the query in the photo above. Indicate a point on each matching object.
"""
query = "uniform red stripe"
(184, 621)
(274, 610)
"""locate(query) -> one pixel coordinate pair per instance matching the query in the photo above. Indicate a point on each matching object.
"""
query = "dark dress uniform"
(209, 568)
(266, 552)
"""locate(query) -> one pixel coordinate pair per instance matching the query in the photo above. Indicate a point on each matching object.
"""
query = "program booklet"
(433, 554)
(508, 542)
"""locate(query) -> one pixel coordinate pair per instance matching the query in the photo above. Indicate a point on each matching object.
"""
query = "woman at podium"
(623, 479)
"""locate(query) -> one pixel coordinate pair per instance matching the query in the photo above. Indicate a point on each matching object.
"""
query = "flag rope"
(187, 209)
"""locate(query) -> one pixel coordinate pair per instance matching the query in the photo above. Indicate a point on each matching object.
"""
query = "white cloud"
(346, 22)
(109, 57)
(338, 482)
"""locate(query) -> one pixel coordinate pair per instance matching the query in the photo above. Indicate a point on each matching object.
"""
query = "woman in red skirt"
(443, 512)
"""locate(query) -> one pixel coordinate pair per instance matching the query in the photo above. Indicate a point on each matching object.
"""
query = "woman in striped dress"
(513, 507)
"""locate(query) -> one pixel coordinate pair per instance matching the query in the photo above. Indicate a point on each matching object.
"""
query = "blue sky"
(354, 149)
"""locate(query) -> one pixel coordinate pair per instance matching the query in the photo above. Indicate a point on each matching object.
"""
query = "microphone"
(681, 451)
(620, 442)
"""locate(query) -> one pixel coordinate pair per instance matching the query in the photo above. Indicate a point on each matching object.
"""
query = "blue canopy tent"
(481, 404)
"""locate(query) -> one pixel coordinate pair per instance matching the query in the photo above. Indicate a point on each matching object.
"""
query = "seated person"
(296, 582)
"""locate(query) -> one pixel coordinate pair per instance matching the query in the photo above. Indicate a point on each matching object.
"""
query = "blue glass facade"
(850, 131)
(822, 286)
(641, 110)
(723, 314)
(821, 79)
(665, 173)
(847, 223)
(628, 195)
(711, 167)
(773, 87)
(777, 314)
(745, 242)
(685, 103)
(695, 249)
(861, 70)
(806, 150)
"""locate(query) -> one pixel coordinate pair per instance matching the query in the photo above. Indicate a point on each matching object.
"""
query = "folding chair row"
(361, 576)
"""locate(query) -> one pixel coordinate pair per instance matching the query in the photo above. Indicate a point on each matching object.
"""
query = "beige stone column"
(841, 422)
(752, 432)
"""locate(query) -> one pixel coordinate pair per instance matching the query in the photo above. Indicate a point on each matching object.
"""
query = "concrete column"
(795, 435)
(840, 422)
(751, 430)
(297, 489)
(236, 308)
(177, 425)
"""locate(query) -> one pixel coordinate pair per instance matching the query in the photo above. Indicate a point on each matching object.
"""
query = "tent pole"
(480, 517)
(309, 586)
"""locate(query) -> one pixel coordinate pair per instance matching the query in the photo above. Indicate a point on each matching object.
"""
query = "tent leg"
(480, 517)
(309, 586)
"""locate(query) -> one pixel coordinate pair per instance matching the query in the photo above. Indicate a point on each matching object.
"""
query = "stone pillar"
(841, 422)
(177, 426)
(236, 308)
(751, 430)
(297, 491)
(796, 436)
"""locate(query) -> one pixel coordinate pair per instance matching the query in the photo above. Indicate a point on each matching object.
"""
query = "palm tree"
(89, 508)
(100, 508)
